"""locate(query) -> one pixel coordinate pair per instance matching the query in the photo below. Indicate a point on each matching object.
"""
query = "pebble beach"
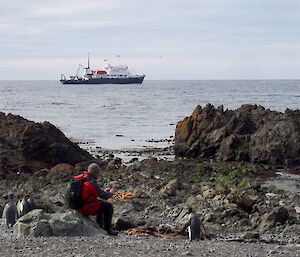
(123, 245)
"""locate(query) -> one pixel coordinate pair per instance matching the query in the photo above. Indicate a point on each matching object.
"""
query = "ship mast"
(87, 70)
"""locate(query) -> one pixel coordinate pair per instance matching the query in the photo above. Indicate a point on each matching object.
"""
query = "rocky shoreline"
(236, 195)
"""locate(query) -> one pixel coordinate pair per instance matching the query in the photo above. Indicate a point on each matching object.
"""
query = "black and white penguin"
(194, 226)
(26, 207)
(19, 205)
(10, 212)
(31, 202)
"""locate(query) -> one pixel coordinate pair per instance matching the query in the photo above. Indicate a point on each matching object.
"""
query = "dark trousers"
(104, 215)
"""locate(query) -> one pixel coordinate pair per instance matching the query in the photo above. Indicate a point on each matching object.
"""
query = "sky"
(165, 39)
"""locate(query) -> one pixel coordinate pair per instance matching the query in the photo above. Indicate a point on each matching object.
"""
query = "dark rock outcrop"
(250, 133)
(26, 145)
(278, 215)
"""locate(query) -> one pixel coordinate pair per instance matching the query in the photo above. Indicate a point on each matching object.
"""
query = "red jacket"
(90, 193)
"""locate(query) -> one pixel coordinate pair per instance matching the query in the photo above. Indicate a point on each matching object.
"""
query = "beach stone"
(293, 229)
(218, 200)
(281, 214)
(210, 217)
(244, 200)
(122, 223)
(250, 133)
(276, 217)
(209, 193)
(39, 223)
(200, 205)
(174, 212)
(222, 189)
(183, 217)
(266, 223)
(194, 201)
(230, 212)
(142, 192)
(242, 224)
(134, 159)
(271, 252)
(250, 235)
(187, 253)
(255, 218)
(170, 188)
(62, 169)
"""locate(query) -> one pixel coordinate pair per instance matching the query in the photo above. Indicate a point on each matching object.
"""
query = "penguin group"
(16, 208)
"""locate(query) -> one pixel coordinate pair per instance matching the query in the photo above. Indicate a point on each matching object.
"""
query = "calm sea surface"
(127, 116)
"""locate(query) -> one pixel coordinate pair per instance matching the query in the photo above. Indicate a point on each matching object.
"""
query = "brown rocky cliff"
(250, 133)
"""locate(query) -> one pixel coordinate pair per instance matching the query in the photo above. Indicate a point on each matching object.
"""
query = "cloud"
(227, 32)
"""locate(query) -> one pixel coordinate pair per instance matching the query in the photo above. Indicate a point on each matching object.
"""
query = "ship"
(109, 74)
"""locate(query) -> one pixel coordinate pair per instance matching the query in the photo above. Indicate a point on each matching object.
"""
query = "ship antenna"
(88, 60)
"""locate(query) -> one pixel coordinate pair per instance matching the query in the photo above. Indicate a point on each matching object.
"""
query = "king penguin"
(31, 202)
(19, 205)
(26, 207)
(194, 226)
(10, 212)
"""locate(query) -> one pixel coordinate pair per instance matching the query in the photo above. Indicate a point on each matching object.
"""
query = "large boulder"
(276, 217)
(39, 223)
(170, 188)
(26, 146)
(250, 133)
(198, 203)
(242, 199)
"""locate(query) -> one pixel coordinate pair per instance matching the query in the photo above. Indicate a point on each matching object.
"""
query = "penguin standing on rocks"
(194, 226)
(26, 207)
(10, 212)
(19, 205)
(31, 202)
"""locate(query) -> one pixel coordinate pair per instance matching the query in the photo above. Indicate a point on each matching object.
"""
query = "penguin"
(26, 207)
(10, 212)
(31, 202)
(19, 205)
(194, 226)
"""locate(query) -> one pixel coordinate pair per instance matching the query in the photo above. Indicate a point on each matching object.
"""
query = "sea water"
(121, 117)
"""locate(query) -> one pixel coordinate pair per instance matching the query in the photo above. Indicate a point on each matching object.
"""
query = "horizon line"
(237, 79)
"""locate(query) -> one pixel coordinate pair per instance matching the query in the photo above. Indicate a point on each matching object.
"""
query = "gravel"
(123, 245)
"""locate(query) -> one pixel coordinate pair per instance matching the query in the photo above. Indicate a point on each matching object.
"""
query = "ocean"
(122, 117)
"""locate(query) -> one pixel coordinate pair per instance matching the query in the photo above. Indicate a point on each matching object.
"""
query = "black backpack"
(73, 194)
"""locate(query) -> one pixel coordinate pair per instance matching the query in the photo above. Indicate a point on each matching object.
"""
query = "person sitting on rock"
(92, 194)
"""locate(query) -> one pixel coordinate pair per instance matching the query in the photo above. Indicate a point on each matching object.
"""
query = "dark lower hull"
(134, 80)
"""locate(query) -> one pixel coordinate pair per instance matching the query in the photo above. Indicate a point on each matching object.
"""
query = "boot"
(111, 232)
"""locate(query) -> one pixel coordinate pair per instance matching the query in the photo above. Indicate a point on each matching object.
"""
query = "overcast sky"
(165, 39)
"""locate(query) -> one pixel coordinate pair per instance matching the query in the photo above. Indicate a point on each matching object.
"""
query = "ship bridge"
(118, 70)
